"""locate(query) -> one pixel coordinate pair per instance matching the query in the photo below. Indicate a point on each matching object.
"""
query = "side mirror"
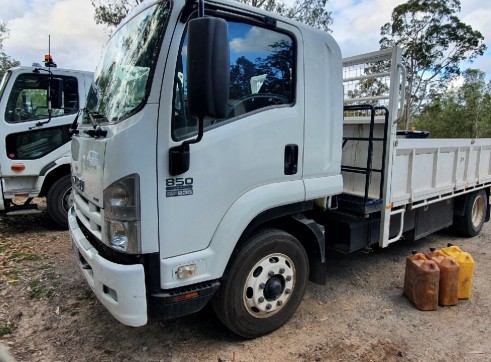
(56, 91)
(208, 67)
(208, 81)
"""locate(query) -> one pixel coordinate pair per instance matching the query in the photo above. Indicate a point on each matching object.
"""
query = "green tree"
(310, 12)
(464, 112)
(434, 43)
(111, 12)
(6, 62)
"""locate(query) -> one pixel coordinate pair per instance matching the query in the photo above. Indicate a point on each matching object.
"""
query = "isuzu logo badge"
(78, 182)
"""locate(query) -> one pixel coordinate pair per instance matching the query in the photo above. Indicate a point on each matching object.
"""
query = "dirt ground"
(48, 312)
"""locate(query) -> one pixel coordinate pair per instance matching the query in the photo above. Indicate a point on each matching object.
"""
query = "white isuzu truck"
(218, 161)
(35, 161)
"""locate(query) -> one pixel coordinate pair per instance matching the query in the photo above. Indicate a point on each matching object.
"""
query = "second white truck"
(215, 162)
(35, 156)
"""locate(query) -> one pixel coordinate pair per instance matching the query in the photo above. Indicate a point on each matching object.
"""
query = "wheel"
(59, 201)
(264, 286)
(470, 224)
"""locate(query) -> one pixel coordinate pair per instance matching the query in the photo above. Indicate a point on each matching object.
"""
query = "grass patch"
(43, 266)
(14, 273)
(6, 328)
(41, 288)
(20, 255)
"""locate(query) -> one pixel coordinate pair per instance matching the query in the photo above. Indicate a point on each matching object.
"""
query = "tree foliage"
(434, 43)
(310, 12)
(111, 12)
(464, 112)
(276, 65)
(6, 62)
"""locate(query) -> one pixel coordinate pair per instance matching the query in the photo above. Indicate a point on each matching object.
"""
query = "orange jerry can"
(466, 263)
(449, 277)
(421, 282)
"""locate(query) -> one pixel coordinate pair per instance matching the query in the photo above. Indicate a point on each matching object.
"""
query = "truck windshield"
(122, 79)
(4, 82)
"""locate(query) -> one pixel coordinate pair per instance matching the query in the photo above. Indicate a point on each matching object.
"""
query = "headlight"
(122, 215)
(119, 196)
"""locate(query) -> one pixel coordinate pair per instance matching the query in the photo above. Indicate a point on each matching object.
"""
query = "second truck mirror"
(56, 85)
(208, 67)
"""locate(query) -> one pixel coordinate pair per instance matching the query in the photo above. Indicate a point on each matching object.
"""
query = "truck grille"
(89, 214)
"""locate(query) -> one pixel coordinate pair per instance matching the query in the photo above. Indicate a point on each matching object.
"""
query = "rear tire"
(59, 201)
(471, 223)
(264, 286)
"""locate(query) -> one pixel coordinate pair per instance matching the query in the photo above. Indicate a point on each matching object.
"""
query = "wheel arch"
(461, 202)
(290, 219)
(53, 176)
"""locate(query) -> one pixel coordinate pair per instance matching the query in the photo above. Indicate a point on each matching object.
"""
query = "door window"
(37, 143)
(261, 76)
(29, 96)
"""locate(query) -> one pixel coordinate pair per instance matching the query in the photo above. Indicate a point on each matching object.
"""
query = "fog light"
(186, 271)
(118, 235)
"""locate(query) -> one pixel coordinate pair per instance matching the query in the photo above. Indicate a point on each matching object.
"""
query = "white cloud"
(13, 9)
(255, 40)
(76, 41)
(357, 25)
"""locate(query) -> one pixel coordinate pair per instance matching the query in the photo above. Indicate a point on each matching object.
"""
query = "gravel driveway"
(48, 312)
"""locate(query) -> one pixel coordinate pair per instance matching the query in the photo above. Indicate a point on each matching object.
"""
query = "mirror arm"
(201, 121)
(179, 157)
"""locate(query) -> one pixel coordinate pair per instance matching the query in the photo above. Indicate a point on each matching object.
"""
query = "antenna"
(49, 63)
(48, 59)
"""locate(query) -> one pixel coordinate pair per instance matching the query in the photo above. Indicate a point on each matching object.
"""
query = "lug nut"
(288, 278)
(260, 299)
(271, 273)
(278, 303)
(287, 291)
(268, 306)
(282, 270)
(262, 286)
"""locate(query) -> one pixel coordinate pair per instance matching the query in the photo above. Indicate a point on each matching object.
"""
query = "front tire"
(471, 223)
(59, 201)
(264, 286)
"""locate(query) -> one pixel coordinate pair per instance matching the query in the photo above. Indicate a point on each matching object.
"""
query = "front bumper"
(120, 288)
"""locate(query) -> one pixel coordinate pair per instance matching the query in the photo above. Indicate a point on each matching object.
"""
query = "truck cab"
(155, 240)
(35, 157)
(216, 162)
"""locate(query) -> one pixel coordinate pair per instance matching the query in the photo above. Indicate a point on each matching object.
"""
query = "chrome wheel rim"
(67, 200)
(269, 285)
(478, 211)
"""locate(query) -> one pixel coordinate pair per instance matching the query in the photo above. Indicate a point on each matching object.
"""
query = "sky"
(77, 42)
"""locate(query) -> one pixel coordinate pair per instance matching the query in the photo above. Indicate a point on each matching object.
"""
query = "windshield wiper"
(74, 127)
(97, 131)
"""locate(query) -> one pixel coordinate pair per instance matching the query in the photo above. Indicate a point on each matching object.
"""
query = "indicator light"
(18, 167)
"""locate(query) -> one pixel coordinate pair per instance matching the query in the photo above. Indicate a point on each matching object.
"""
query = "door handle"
(291, 159)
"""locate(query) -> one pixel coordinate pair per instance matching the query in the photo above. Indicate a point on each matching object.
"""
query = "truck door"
(257, 146)
(25, 139)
